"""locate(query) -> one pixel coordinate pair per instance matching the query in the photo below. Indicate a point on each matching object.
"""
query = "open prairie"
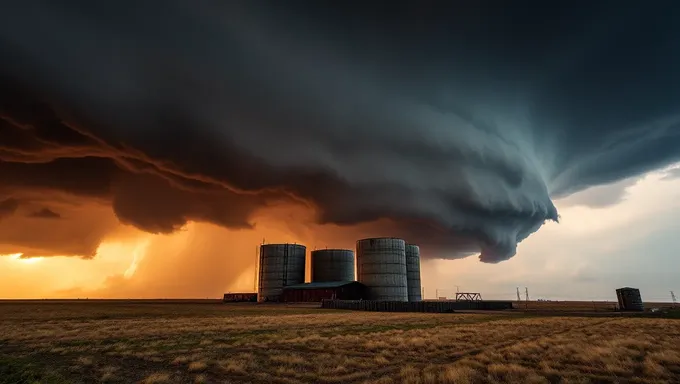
(209, 342)
(578, 306)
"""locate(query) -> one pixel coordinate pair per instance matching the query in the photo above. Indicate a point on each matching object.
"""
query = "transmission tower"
(675, 301)
(518, 297)
(526, 293)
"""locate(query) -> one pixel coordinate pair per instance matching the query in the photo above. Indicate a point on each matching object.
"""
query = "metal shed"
(315, 292)
(629, 299)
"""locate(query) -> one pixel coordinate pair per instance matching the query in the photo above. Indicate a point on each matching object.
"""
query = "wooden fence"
(415, 306)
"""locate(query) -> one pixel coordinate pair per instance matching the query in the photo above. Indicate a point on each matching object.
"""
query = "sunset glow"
(204, 260)
(29, 260)
(139, 159)
(356, 192)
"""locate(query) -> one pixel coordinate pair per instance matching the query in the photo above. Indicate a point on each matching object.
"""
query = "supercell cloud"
(457, 121)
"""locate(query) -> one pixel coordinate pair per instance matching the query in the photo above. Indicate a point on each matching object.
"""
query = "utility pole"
(457, 289)
(675, 301)
(526, 295)
(518, 297)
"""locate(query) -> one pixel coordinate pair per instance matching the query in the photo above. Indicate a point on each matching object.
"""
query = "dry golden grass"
(216, 343)
(156, 378)
(197, 366)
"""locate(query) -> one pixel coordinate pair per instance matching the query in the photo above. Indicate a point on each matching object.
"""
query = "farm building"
(629, 299)
(239, 297)
(315, 292)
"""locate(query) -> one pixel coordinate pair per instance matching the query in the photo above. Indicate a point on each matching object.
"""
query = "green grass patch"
(23, 371)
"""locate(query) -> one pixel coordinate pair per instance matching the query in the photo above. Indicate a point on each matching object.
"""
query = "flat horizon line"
(2, 300)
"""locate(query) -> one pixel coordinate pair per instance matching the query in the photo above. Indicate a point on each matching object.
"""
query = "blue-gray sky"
(464, 127)
(595, 249)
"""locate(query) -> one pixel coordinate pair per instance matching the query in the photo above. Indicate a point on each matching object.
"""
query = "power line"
(445, 291)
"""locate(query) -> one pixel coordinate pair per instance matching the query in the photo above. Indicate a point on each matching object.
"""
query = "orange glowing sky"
(139, 159)
(201, 260)
(204, 260)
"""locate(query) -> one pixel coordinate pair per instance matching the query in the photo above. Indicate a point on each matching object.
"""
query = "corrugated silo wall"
(630, 299)
(381, 267)
(332, 265)
(635, 301)
(413, 272)
(280, 265)
(619, 298)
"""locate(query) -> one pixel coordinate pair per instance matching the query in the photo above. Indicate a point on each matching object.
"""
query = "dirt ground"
(209, 342)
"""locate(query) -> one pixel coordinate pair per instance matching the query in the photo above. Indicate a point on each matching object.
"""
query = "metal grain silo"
(332, 265)
(280, 265)
(381, 267)
(413, 272)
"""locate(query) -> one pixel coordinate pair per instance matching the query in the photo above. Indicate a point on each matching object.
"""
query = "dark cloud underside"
(45, 213)
(8, 207)
(456, 120)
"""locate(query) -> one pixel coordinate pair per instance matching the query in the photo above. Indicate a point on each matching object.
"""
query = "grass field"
(209, 342)
(578, 306)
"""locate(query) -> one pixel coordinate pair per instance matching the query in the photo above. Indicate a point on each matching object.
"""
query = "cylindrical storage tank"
(280, 265)
(413, 272)
(332, 265)
(381, 267)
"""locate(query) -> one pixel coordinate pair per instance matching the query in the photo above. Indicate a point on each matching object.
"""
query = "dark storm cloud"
(458, 120)
(45, 213)
(8, 207)
(84, 223)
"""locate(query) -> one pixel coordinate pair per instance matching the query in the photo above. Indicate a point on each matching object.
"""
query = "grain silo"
(381, 267)
(332, 265)
(280, 265)
(629, 299)
(413, 272)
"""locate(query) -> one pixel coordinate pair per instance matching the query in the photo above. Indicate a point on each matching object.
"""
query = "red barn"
(315, 292)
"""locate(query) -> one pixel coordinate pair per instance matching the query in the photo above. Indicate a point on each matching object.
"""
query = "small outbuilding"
(315, 292)
(629, 299)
